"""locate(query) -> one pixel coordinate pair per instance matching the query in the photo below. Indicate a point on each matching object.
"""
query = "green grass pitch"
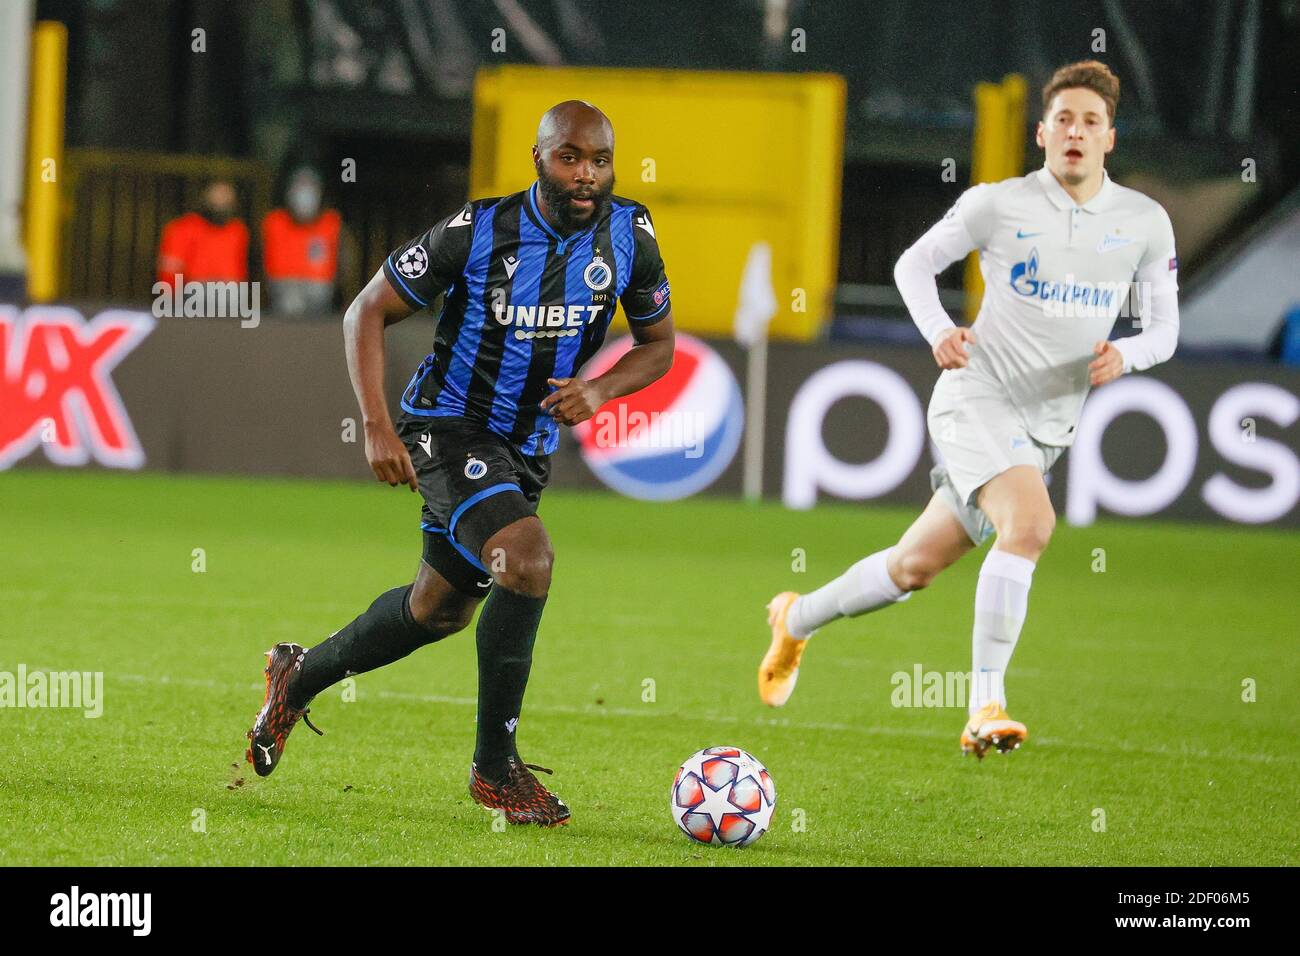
(1130, 681)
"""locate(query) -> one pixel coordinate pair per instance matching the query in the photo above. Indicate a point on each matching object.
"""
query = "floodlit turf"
(1130, 682)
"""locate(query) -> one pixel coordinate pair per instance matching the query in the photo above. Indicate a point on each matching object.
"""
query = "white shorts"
(979, 434)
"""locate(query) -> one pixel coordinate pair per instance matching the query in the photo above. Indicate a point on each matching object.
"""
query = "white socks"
(1001, 601)
(864, 587)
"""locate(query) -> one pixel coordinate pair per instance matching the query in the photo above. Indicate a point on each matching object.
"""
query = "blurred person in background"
(300, 248)
(210, 245)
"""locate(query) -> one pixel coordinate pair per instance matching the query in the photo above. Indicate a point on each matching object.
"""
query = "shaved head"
(574, 159)
(573, 116)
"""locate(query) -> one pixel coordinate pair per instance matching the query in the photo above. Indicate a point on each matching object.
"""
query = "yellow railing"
(116, 202)
(998, 152)
(45, 159)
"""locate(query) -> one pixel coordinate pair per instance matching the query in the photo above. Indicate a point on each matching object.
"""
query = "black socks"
(507, 629)
(385, 633)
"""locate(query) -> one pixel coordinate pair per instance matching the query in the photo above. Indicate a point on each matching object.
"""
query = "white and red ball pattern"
(723, 796)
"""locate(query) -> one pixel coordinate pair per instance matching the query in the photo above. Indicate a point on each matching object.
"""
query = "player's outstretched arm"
(944, 243)
(374, 309)
(1157, 279)
(575, 400)
(1155, 343)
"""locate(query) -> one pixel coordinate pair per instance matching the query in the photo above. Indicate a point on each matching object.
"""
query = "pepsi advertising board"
(670, 440)
(106, 387)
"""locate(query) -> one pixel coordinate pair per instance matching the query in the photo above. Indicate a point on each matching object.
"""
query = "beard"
(557, 197)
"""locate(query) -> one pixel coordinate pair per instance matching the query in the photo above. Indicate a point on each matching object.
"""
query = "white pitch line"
(592, 710)
(114, 598)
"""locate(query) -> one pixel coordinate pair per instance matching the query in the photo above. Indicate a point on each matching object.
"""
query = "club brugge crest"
(475, 469)
(598, 275)
(672, 438)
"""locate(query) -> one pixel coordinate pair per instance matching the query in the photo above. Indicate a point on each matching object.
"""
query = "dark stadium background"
(271, 89)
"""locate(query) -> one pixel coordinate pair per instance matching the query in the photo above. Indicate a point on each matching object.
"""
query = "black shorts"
(474, 483)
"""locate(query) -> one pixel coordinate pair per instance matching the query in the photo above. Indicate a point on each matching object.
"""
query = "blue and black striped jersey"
(523, 304)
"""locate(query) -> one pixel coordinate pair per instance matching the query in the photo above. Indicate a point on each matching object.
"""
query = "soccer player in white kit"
(1060, 250)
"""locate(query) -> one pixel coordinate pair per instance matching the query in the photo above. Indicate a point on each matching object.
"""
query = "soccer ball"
(723, 796)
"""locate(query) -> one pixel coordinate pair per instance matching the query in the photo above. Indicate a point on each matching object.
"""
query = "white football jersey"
(1056, 276)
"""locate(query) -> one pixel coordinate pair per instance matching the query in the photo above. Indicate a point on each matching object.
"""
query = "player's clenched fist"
(1107, 366)
(573, 400)
(388, 457)
(950, 350)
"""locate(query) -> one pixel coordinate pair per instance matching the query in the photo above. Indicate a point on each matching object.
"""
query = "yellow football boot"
(991, 726)
(780, 668)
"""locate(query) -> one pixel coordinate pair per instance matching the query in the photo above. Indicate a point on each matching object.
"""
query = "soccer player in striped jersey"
(530, 284)
(1060, 251)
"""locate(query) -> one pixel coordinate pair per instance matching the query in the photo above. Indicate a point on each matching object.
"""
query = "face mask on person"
(304, 202)
(217, 215)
